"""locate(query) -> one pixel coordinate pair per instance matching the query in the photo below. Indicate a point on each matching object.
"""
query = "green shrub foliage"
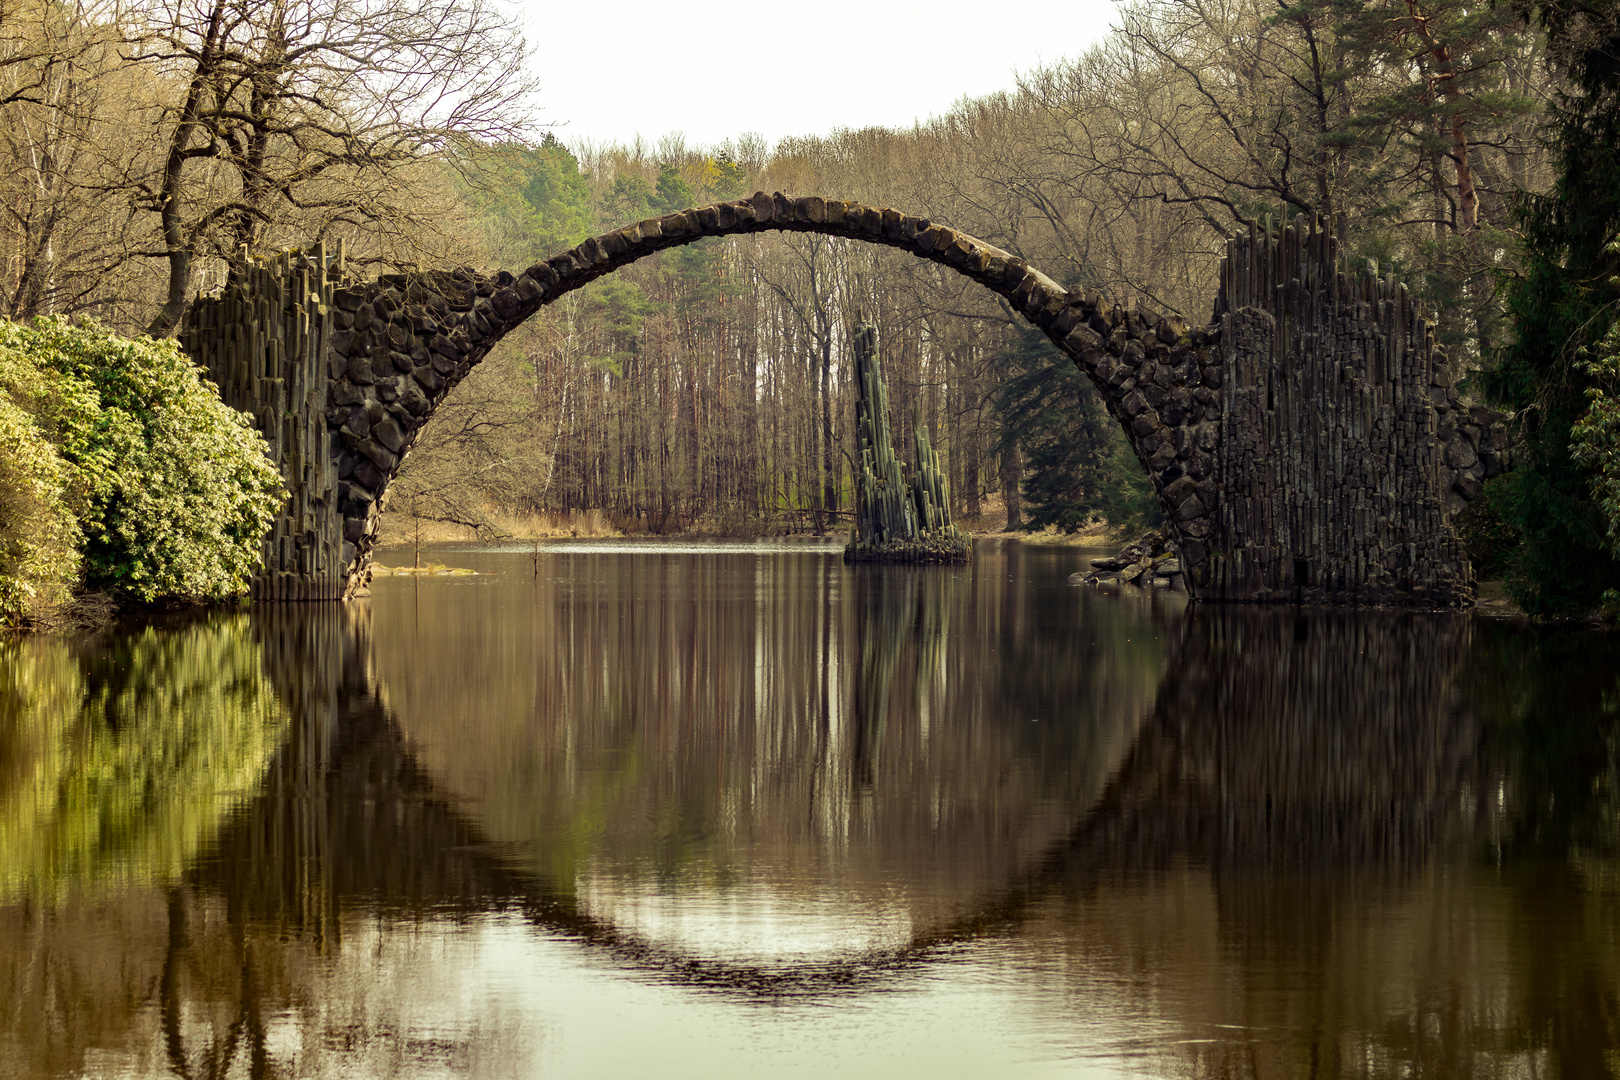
(173, 489)
(1595, 436)
(39, 535)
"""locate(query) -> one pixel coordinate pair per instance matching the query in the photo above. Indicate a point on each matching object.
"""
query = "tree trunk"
(1010, 473)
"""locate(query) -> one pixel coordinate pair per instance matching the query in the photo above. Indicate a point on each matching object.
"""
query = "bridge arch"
(1306, 445)
(402, 344)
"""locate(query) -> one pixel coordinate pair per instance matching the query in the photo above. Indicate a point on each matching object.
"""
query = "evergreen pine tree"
(1077, 464)
(1565, 302)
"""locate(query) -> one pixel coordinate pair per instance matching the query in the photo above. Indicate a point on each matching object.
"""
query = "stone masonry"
(1305, 445)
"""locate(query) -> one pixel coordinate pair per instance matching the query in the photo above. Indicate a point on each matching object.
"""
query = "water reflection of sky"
(513, 1002)
(756, 922)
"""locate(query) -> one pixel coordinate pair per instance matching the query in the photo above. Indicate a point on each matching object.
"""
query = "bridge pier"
(266, 341)
(1345, 451)
(1306, 445)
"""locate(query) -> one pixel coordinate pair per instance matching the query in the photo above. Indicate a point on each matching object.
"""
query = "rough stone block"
(544, 275)
(358, 422)
(1180, 491)
(388, 433)
(430, 380)
(1082, 339)
(1459, 453)
(447, 347)
(413, 400)
(367, 475)
(380, 455)
(506, 304)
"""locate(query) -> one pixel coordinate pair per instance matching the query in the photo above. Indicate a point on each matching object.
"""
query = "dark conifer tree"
(1077, 465)
(1565, 302)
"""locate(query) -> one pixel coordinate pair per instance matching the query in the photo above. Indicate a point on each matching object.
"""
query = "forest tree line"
(151, 148)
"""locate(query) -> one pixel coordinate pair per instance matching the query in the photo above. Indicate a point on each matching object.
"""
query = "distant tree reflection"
(1283, 842)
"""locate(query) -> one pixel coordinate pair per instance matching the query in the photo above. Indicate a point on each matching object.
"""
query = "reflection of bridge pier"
(1281, 744)
(1302, 740)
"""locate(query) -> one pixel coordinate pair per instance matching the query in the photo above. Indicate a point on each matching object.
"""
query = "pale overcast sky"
(712, 71)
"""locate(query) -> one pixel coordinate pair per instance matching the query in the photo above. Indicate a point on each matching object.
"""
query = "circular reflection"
(770, 758)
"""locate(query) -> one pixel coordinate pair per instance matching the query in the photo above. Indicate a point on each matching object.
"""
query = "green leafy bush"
(172, 488)
(39, 535)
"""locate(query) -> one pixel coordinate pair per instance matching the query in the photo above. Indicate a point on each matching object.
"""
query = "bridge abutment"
(1346, 452)
(267, 342)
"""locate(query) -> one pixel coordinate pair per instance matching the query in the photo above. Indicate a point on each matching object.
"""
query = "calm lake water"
(720, 811)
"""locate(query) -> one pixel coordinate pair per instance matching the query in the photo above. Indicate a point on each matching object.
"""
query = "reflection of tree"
(1297, 860)
(121, 761)
(121, 756)
(1550, 809)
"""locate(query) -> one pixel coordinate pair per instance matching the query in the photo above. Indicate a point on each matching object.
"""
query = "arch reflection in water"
(770, 760)
(1350, 844)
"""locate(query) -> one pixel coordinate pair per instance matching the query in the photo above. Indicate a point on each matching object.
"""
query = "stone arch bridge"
(1306, 444)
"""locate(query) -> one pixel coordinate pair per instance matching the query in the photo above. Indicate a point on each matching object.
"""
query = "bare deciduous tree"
(307, 114)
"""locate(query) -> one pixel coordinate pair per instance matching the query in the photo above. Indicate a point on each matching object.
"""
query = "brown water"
(739, 810)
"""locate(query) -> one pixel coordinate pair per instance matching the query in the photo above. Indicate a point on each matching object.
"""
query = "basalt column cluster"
(266, 342)
(1346, 451)
(897, 519)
